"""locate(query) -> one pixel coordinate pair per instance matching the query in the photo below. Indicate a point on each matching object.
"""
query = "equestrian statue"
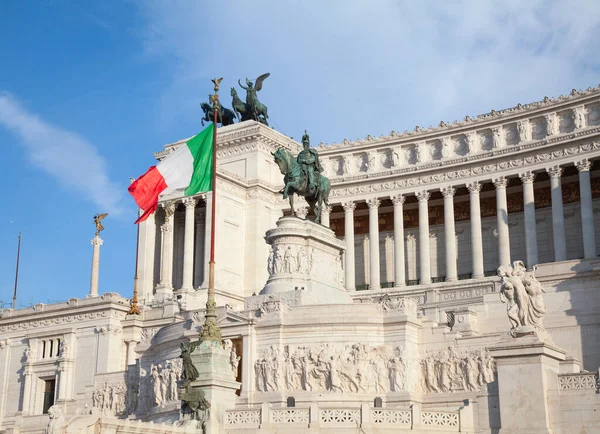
(303, 176)
(224, 115)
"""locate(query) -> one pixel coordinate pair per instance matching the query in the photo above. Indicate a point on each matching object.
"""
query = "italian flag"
(185, 172)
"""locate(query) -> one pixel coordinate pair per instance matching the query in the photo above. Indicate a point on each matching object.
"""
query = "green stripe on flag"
(201, 148)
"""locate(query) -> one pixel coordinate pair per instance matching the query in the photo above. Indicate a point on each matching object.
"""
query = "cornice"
(483, 121)
(239, 138)
(564, 149)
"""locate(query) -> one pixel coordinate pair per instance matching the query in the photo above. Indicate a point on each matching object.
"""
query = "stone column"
(374, 282)
(207, 238)
(502, 219)
(96, 242)
(188, 244)
(146, 251)
(131, 344)
(165, 287)
(476, 236)
(325, 213)
(587, 211)
(424, 255)
(28, 384)
(531, 251)
(399, 270)
(349, 208)
(450, 234)
(558, 215)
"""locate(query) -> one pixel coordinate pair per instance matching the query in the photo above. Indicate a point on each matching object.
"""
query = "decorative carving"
(404, 305)
(474, 187)
(347, 164)
(524, 130)
(398, 199)
(189, 202)
(243, 417)
(440, 419)
(447, 151)
(579, 117)
(448, 191)
(524, 295)
(234, 359)
(551, 124)
(349, 206)
(391, 417)
(165, 381)
(500, 182)
(63, 350)
(554, 171)
(527, 177)
(398, 155)
(57, 421)
(373, 203)
(371, 161)
(302, 212)
(110, 398)
(498, 141)
(583, 380)
(423, 196)
(583, 165)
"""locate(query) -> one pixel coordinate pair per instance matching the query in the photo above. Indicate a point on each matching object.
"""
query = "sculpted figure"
(523, 129)
(190, 373)
(371, 162)
(397, 156)
(470, 372)
(277, 261)
(56, 420)
(524, 295)
(302, 261)
(254, 108)
(347, 164)
(308, 159)
(270, 262)
(258, 373)
(446, 148)
(429, 374)
(289, 264)
(444, 374)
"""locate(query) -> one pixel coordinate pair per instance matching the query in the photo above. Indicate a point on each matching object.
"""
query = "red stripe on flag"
(145, 191)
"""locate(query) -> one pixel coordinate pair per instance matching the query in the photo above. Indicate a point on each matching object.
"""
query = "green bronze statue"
(224, 115)
(252, 108)
(308, 159)
(303, 176)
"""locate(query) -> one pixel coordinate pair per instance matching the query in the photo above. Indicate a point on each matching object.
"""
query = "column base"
(163, 291)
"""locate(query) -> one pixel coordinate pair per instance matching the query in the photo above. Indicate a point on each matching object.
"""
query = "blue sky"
(88, 90)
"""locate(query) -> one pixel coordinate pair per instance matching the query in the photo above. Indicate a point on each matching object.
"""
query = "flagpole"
(210, 331)
(14, 303)
(134, 310)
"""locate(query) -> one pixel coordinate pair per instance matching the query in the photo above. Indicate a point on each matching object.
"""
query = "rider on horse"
(308, 159)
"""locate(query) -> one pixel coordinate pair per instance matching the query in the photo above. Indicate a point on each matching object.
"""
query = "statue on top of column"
(97, 219)
(303, 176)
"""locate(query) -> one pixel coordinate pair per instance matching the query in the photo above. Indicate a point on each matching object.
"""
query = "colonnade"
(164, 288)
(500, 184)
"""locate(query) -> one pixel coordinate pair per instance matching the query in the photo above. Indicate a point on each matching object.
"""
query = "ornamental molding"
(58, 318)
(564, 153)
(487, 121)
(241, 138)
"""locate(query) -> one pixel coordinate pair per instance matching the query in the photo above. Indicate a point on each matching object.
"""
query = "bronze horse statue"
(224, 115)
(296, 181)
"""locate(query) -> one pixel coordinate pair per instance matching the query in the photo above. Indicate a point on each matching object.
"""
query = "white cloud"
(347, 68)
(63, 154)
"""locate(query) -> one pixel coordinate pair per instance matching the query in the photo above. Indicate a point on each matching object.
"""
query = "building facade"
(427, 218)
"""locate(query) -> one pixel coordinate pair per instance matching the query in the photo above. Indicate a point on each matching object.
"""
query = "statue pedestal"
(527, 369)
(305, 263)
(217, 380)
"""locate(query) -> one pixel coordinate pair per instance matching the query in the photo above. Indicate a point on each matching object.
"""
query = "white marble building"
(420, 344)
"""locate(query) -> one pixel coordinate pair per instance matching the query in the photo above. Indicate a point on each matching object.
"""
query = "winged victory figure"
(97, 219)
(256, 110)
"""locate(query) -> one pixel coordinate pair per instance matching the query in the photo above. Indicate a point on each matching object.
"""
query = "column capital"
(166, 227)
(448, 191)
(527, 177)
(169, 207)
(583, 165)
(349, 206)
(500, 182)
(373, 203)
(189, 202)
(474, 187)
(398, 199)
(423, 196)
(97, 241)
(554, 171)
(327, 209)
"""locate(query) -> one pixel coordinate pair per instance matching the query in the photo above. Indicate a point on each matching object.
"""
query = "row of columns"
(164, 288)
(500, 183)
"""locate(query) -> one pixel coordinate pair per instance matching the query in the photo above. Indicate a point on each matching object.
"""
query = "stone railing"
(364, 417)
(582, 380)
